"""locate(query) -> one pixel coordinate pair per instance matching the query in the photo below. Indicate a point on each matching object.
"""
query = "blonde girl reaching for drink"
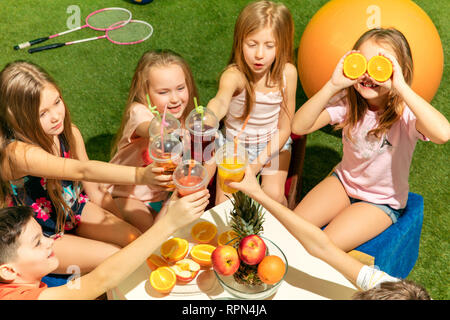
(257, 91)
(381, 123)
(43, 160)
(167, 80)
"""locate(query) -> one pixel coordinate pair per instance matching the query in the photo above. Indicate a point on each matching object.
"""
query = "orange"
(174, 249)
(155, 261)
(226, 237)
(271, 269)
(163, 279)
(201, 254)
(204, 232)
(355, 65)
(379, 68)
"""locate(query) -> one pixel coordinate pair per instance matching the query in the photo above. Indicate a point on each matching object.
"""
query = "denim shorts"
(394, 214)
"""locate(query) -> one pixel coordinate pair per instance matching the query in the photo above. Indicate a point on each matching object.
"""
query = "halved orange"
(355, 65)
(163, 279)
(225, 237)
(201, 254)
(155, 261)
(379, 68)
(174, 249)
(204, 232)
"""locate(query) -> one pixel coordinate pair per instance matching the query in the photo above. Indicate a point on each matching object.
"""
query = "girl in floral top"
(43, 160)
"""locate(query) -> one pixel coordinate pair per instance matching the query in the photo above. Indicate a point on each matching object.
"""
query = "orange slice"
(201, 254)
(226, 237)
(355, 65)
(163, 279)
(379, 68)
(155, 261)
(204, 232)
(174, 249)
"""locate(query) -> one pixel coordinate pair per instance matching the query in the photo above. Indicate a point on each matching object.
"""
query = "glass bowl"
(254, 292)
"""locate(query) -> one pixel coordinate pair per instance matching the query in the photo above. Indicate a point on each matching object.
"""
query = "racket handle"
(50, 46)
(30, 43)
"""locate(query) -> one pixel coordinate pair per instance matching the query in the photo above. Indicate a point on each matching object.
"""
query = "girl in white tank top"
(257, 92)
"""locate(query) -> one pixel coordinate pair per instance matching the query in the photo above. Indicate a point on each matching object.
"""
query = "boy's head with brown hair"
(394, 290)
(26, 255)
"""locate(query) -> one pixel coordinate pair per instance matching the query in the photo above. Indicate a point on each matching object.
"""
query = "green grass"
(95, 76)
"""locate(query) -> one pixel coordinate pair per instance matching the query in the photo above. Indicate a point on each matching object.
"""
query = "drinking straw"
(153, 109)
(237, 136)
(191, 164)
(163, 124)
(199, 110)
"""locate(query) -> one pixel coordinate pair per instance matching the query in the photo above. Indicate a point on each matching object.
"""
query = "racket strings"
(104, 19)
(134, 31)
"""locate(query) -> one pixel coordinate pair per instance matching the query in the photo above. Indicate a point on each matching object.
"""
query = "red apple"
(252, 249)
(225, 260)
(186, 270)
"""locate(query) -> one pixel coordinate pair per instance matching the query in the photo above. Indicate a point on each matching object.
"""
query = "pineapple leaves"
(246, 217)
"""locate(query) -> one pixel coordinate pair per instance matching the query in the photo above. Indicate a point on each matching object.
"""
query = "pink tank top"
(263, 121)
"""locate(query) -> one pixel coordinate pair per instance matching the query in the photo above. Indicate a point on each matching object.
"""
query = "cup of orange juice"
(231, 159)
(166, 152)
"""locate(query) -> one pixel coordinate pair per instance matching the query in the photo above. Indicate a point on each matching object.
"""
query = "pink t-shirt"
(132, 150)
(372, 169)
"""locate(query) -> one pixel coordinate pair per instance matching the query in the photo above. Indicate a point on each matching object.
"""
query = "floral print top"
(32, 191)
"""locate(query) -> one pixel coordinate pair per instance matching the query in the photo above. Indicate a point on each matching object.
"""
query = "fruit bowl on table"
(258, 291)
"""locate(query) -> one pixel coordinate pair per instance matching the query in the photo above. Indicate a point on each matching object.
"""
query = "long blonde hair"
(253, 17)
(394, 106)
(140, 84)
(21, 84)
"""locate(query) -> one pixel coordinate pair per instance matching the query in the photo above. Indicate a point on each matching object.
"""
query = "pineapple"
(246, 219)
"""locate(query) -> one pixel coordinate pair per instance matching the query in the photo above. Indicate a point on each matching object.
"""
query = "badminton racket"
(136, 31)
(100, 20)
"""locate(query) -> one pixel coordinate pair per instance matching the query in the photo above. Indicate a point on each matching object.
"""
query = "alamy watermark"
(74, 20)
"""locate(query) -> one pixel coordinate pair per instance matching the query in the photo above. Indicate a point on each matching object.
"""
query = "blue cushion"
(397, 248)
(55, 280)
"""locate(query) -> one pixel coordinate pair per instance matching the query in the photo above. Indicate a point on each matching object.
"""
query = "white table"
(307, 277)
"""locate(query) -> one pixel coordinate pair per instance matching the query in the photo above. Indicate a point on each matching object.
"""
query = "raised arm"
(24, 159)
(312, 114)
(230, 83)
(430, 122)
(314, 240)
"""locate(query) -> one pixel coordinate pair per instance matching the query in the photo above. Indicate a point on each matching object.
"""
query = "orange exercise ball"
(335, 28)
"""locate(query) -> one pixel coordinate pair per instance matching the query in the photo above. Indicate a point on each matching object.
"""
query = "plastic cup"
(231, 164)
(189, 177)
(155, 126)
(202, 128)
(166, 152)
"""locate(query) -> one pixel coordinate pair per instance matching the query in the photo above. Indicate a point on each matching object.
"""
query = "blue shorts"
(394, 214)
